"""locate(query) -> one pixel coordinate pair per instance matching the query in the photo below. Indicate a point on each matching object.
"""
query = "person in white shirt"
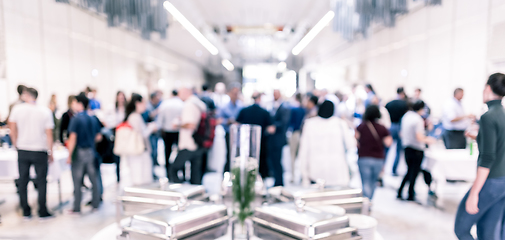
(188, 149)
(455, 122)
(414, 141)
(32, 134)
(323, 145)
(138, 168)
(168, 120)
(116, 116)
(220, 97)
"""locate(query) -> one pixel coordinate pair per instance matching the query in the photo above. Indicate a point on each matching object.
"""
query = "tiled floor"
(398, 220)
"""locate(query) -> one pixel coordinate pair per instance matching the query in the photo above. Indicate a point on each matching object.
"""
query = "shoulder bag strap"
(374, 131)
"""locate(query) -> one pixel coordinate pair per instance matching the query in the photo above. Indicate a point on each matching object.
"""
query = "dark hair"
(314, 99)
(326, 109)
(369, 86)
(175, 93)
(497, 84)
(88, 89)
(153, 95)
(400, 90)
(205, 87)
(131, 106)
(21, 88)
(418, 89)
(372, 113)
(81, 98)
(33, 92)
(71, 98)
(339, 95)
(418, 105)
(124, 98)
(298, 97)
(458, 90)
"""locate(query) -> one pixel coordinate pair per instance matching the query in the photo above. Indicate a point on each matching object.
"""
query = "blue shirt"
(230, 111)
(297, 116)
(369, 98)
(94, 104)
(86, 128)
(149, 109)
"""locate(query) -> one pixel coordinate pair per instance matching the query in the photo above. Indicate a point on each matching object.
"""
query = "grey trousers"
(82, 163)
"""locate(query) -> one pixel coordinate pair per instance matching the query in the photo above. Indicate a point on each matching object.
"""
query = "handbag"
(128, 142)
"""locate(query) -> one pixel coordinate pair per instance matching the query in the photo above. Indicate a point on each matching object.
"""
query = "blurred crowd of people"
(319, 127)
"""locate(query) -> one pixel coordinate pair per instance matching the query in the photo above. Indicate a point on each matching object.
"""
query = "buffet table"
(9, 168)
(450, 164)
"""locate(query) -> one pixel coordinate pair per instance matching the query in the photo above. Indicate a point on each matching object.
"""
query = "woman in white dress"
(323, 145)
(137, 169)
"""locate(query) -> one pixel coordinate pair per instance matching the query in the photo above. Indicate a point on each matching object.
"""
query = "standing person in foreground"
(188, 149)
(414, 140)
(32, 134)
(455, 122)
(281, 114)
(372, 137)
(323, 146)
(484, 203)
(84, 132)
(139, 168)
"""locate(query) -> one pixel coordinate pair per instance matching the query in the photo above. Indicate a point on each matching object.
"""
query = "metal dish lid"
(296, 219)
(165, 189)
(317, 192)
(180, 220)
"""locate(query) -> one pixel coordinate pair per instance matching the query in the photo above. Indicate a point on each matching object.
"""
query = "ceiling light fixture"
(191, 29)
(313, 33)
(228, 65)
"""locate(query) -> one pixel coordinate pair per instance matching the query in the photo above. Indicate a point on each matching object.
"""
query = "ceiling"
(264, 30)
(254, 13)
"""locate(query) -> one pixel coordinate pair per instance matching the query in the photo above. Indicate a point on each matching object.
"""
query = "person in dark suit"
(281, 114)
(255, 114)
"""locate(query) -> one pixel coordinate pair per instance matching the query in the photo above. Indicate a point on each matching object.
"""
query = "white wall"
(441, 47)
(54, 47)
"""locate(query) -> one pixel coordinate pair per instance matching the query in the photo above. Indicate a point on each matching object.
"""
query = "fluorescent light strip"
(191, 29)
(313, 33)
(228, 65)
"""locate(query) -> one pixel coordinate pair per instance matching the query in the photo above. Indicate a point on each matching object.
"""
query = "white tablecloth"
(9, 165)
(451, 164)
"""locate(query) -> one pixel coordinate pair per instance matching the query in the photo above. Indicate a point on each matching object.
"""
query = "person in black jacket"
(65, 121)
(255, 114)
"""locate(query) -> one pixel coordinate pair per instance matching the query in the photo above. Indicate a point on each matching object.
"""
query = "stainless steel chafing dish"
(292, 221)
(202, 221)
(350, 199)
(158, 196)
